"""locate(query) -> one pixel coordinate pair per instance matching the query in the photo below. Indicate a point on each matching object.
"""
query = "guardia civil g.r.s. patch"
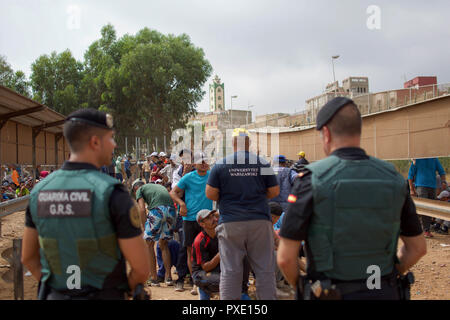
(64, 203)
(134, 216)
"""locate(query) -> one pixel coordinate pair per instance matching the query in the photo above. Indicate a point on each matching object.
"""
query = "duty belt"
(86, 294)
(346, 287)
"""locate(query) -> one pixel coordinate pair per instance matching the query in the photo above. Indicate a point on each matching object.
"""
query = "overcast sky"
(273, 54)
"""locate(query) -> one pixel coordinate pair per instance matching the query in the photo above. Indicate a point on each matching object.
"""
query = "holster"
(139, 293)
(303, 291)
(43, 290)
(404, 285)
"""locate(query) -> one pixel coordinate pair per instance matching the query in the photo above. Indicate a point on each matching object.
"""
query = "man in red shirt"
(206, 258)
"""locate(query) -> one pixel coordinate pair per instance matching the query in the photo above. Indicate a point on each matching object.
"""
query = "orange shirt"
(15, 177)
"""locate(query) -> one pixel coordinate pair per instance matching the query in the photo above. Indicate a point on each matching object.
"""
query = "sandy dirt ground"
(432, 273)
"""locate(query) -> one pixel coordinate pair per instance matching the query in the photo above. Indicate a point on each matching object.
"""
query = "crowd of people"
(227, 243)
(301, 227)
(17, 181)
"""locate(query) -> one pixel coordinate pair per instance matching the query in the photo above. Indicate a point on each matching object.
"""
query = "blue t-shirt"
(424, 172)
(243, 179)
(194, 193)
(127, 165)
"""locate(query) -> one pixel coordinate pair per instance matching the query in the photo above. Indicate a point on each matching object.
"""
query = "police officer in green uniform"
(349, 209)
(81, 224)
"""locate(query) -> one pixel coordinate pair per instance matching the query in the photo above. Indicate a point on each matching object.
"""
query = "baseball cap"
(199, 157)
(154, 154)
(301, 153)
(240, 132)
(162, 154)
(173, 157)
(202, 214)
(92, 117)
(279, 159)
(443, 194)
(137, 183)
(275, 208)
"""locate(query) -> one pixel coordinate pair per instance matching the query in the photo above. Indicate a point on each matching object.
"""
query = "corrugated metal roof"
(11, 101)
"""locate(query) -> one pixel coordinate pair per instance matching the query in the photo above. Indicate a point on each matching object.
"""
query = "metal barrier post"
(17, 269)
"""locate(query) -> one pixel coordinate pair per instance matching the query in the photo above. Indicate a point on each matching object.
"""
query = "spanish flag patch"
(292, 198)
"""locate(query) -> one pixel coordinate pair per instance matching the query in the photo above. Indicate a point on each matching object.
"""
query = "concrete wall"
(417, 131)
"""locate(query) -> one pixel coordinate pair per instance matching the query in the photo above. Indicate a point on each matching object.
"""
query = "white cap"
(443, 194)
(162, 154)
(173, 157)
(154, 154)
(202, 214)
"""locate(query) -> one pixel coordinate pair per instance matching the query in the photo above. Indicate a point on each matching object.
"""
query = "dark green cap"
(92, 117)
(330, 109)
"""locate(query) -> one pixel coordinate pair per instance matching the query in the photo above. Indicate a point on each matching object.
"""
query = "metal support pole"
(17, 143)
(126, 145)
(56, 151)
(45, 148)
(34, 134)
(165, 147)
(58, 137)
(17, 269)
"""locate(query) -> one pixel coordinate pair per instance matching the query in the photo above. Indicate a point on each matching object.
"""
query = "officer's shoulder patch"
(292, 198)
(134, 216)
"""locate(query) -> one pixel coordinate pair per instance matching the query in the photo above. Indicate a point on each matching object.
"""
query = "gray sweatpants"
(253, 238)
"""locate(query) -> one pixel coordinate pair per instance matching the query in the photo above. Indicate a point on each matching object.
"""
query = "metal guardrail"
(432, 208)
(11, 206)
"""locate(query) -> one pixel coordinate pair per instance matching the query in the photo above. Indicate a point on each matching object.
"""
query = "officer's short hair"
(78, 134)
(346, 122)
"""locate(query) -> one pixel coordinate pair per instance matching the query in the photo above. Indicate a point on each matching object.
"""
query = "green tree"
(157, 84)
(56, 81)
(101, 56)
(6, 72)
(16, 81)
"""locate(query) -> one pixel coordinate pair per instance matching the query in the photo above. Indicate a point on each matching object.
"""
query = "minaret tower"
(216, 95)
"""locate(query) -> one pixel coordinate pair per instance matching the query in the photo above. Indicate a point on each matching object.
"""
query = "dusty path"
(432, 272)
